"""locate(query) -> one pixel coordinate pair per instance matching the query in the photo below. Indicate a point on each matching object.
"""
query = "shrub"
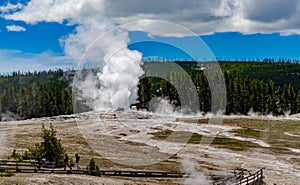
(71, 162)
(28, 155)
(93, 168)
(7, 173)
(15, 155)
(36, 151)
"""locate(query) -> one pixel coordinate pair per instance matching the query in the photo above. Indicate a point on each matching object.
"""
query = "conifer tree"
(52, 148)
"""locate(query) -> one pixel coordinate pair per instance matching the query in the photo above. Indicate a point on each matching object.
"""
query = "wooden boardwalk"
(26, 166)
(49, 167)
(241, 179)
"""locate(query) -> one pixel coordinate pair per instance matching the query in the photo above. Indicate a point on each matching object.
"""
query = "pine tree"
(52, 148)
(144, 92)
(298, 102)
(93, 168)
(292, 97)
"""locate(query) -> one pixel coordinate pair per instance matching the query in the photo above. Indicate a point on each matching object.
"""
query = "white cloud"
(270, 11)
(201, 16)
(10, 7)
(15, 28)
(13, 60)
(56, 11)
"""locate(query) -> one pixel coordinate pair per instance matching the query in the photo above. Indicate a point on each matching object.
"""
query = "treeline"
(31, 95)
(282, 73)
(264, 87)
(244, 93)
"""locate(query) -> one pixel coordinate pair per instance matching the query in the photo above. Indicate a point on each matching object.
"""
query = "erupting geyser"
(103, 45)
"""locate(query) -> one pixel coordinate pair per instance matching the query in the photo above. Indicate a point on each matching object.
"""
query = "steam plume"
(100, 43)
(195, 177)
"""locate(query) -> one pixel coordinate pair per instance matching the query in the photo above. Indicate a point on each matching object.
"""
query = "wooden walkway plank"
(49, 167)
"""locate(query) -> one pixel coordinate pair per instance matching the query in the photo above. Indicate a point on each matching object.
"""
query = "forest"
(32, 95)
(265, 87)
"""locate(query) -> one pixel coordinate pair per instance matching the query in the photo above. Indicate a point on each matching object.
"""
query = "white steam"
(287, 115)
(2, 142)
(163, 106)
(194, 176)
(100, 43)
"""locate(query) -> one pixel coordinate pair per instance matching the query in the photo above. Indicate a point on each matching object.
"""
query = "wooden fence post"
(53, 164)
(17, 167)
(35, 167)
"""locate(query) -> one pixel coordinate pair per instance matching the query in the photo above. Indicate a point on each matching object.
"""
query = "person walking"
(66, 162)
(77, 159)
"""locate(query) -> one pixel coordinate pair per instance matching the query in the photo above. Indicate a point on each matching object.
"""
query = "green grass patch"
(254, 123)
(234, 144)
(277, 139)
(7, 173)
(248, 132)
(177, 136)
(194, 138)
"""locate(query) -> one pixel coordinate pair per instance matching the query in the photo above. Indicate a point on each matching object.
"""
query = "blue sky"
(32, 32)
(233, 45)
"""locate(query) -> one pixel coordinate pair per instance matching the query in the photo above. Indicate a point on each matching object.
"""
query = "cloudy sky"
(39, 34)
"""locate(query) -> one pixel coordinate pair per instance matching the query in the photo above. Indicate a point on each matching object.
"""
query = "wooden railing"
(142, 173)
(35, 167)
(233, 178)
(26, 166)
(241, 179)
(256, 178)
